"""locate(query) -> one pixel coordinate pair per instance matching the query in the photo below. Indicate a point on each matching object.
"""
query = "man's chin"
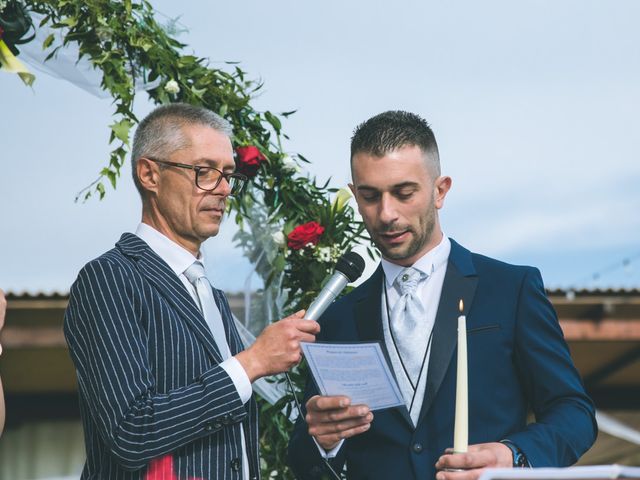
(209, 231)
(394, 253)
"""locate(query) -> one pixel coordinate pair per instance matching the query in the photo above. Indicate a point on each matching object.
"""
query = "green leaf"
(100, 190)
(121, 130)
(112, 176)
(44, 21)
(198, 92)
(70, 22)
(48, 41)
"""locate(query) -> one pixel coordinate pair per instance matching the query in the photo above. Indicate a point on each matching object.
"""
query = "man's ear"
(440, 190)
(148, 174)
(352, 187)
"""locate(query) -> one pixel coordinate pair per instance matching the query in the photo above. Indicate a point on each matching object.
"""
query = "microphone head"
(351, 265)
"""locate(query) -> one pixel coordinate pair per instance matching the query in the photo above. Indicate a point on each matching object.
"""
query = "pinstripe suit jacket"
(149, 379)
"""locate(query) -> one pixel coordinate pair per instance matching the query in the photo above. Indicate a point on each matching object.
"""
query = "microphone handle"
(327, 295)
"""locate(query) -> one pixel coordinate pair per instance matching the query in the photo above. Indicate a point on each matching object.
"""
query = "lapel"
(167, 283)
(460, 282)
(368, 316)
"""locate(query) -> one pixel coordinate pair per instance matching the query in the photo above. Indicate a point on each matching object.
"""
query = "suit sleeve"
(108, 346)
(565, 425)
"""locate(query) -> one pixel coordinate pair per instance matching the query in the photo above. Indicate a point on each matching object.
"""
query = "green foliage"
(126, 44)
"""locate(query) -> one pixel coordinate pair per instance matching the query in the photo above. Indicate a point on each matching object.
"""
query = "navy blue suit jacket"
(518, 360)
(149, 379)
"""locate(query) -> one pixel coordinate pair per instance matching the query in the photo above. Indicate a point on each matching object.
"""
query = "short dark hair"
(160, 134)
(389, 131)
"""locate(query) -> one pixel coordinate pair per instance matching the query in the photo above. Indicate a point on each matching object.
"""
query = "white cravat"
(195, 274)
(408, 320)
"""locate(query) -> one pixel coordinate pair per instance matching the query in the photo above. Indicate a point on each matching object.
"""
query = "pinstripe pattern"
(148, 373)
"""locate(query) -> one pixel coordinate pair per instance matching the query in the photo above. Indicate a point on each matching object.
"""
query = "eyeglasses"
(208, 178)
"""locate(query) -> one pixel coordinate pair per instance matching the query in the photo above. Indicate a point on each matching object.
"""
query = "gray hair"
(160, 133)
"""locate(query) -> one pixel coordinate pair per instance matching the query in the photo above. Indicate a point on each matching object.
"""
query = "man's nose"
(223, 187)
(388, 212)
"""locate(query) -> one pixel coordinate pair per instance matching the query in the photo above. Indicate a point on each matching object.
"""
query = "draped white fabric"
(42, 450)
(65, 64)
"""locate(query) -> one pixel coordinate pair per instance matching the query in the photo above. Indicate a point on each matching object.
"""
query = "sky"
(534, 105)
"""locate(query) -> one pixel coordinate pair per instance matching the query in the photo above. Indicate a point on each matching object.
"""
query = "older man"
(517, 356)
(164, 382)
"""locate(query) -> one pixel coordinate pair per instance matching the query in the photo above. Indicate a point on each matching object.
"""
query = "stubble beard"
(420, 237)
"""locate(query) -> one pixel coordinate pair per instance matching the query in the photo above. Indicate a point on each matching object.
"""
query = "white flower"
(172, 87)
(278, 238)
(3, 4)
(342, 198)
(324, 254)
(290, 164)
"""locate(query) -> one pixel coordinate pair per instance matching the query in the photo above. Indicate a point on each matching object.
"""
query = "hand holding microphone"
(277, 348)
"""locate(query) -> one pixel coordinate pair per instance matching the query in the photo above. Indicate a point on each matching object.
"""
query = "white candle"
(461, 429)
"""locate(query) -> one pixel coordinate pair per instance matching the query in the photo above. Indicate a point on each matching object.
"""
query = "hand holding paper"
(332, 419)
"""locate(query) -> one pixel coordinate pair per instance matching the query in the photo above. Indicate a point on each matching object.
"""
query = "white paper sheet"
(571, 473)
(356, 370)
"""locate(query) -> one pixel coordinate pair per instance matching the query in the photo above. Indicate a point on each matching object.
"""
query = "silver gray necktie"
(407, 317)
(196, 276)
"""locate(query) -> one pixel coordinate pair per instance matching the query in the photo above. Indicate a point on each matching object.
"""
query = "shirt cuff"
(239, 378)
(331, 453)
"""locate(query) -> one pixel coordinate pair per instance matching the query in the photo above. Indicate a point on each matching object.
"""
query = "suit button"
(208, 427)
(417, 447)
(235, 464)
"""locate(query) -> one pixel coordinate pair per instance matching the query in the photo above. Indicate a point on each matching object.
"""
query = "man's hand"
(332, 419)
(277, 348)
(479, 457)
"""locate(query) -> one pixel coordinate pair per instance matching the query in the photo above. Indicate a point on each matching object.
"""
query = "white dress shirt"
(179, 259)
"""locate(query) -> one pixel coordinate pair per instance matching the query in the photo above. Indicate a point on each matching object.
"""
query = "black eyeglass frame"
(198, 168)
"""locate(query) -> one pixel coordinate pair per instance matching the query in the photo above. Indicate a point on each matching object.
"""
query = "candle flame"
(461, 306)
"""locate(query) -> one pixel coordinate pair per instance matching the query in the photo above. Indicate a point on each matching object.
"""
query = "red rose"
(248, 160)
(303, 234)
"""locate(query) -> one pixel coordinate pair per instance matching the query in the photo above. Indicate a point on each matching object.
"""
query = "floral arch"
(291, 228)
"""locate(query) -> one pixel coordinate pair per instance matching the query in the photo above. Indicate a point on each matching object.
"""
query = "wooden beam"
(37, 304)
(603, 330)
(28, 337)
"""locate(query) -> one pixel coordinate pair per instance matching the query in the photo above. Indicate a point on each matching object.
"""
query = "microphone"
(348, 269)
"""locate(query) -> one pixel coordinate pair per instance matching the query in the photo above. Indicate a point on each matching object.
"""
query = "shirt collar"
(177, 257)
(428, 263)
